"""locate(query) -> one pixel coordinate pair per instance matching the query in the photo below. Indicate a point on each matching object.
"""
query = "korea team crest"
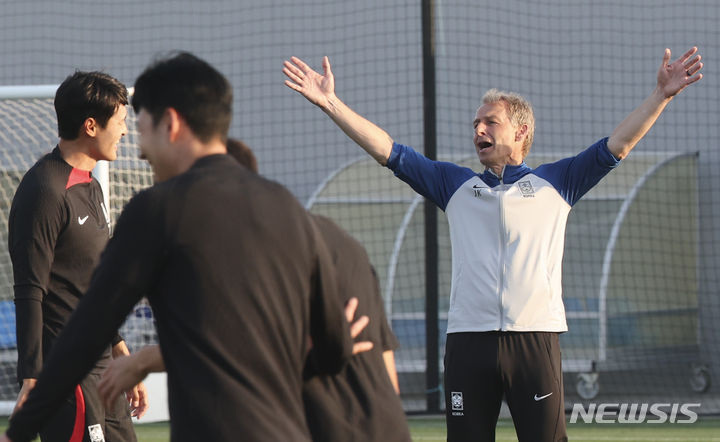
(96, 433)
(526, 188)
(456, 398)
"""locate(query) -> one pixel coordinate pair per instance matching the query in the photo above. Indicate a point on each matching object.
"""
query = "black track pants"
(525, 367)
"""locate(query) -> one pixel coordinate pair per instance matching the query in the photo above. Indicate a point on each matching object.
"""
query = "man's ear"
(90, 127)
(174, 123)
(521, 133)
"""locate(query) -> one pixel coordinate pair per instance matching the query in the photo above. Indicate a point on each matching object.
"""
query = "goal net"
(642, 250)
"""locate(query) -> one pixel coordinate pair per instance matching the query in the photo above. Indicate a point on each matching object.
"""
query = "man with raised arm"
(507, 229)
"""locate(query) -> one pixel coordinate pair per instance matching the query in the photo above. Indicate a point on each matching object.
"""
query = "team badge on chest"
(526, 189)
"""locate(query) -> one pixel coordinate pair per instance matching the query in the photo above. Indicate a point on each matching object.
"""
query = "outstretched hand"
(318, 89)
(676, 76)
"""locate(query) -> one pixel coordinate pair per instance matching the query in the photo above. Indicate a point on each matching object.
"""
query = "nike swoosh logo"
(475, 186)
(539, 398)
(82, 220)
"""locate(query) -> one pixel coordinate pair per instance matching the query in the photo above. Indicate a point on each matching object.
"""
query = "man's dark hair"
(86, 95)
(242, 154)
(191, 86)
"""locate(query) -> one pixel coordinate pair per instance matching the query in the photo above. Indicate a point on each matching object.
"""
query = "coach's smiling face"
(497, 140)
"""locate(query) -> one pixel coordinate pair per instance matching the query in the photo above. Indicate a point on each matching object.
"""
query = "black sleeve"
(388, 341)
(117, 339)
(28, 329)
(329, 331)
(126, 270)
(37, 216)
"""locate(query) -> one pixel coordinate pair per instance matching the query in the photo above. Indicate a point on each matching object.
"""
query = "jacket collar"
(510, 174)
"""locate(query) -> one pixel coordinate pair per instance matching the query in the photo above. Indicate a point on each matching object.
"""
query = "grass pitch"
(432, 429)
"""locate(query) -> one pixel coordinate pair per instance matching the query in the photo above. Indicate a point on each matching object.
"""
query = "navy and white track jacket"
(507, 234)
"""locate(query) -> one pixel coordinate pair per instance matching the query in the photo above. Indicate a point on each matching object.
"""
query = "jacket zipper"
(501, 264)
